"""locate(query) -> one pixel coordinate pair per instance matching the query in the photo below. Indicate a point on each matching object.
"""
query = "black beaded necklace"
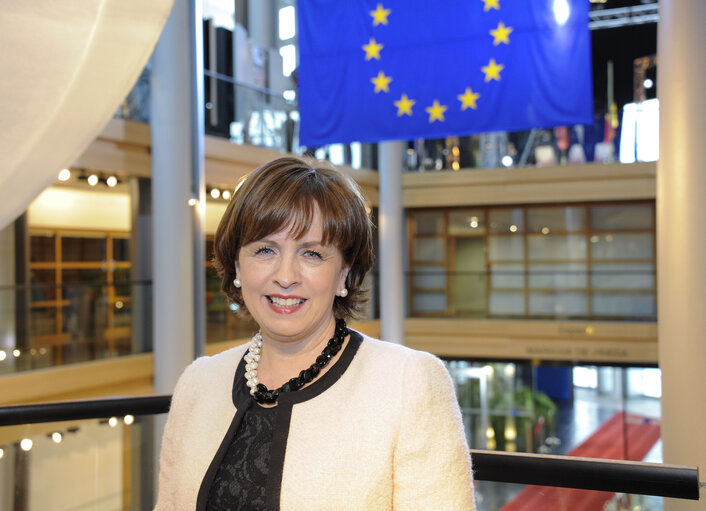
(262, 394)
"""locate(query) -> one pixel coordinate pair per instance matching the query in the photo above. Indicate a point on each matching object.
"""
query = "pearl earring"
(344, 292)
(237, 283)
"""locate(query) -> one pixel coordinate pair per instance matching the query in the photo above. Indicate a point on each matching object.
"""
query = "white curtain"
(64, 69)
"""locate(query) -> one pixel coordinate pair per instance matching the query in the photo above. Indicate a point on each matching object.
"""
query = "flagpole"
(390, 232)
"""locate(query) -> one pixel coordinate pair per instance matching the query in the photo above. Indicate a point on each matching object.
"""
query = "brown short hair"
(283, 192)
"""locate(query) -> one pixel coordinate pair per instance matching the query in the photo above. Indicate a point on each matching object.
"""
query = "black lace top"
(242, 475)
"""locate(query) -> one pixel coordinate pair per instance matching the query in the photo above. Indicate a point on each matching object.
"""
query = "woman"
(310, 414)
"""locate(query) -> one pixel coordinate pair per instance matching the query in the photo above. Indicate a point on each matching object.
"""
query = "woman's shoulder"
(215, 367)
(396, 354)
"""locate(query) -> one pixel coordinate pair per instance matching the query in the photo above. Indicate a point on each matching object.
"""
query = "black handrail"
(84, 409)
(521, 468)
(587, 473)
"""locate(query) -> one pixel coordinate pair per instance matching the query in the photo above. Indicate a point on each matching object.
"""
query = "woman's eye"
(313, 253)
(264, 251)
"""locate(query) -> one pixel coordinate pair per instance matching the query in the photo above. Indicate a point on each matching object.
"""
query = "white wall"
(66, 208)
(78, 209)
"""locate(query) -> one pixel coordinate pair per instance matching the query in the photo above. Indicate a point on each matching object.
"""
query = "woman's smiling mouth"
(285, 303)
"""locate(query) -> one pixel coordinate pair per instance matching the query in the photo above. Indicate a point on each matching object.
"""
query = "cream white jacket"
(381, 430)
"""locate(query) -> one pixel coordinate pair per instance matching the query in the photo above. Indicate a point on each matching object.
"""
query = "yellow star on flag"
(404, 105)
(436, 111)
(380, 15)
(372, 49)
(501, 34)
(381, 82)
(491, 4)
(492, 70)
(468, 99)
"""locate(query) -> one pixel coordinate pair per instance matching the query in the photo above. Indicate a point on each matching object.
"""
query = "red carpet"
(608, 442)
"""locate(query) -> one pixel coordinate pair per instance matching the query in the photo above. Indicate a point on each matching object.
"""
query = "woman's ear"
(344, 275)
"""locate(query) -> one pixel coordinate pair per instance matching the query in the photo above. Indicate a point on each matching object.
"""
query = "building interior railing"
(65, 321)
(601, 475)
(246, 113)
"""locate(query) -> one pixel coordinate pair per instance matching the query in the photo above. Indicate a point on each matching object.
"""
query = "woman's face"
(289, 285)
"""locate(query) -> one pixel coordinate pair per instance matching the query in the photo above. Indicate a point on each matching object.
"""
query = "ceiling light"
(93, 180)
(26, 444)
(111, 181)
(215, 193)
(64, 175)
(57, 437)
(226, 194)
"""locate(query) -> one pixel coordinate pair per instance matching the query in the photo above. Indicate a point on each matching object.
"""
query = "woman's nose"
(287, 273)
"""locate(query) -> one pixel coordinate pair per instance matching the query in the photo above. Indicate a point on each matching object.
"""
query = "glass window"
(467, 221)
(89, 275)
(121, 249)
(429, 277)
(287, 24)
(80, 248)
(221, 11)
(506, 248)
(558, 276)
(42, 248)
(121, 279)
(429, 249)
(503, 220)
(624, 304)
(556, 247)
(507, 276)
(623, 276)
(586, 377)
(622, 246)
(428, 223)
(43, 321)
(504, 302)
(559, 304)
(549, 220)
(43, 285)
(622, 217)
(429, 302)
(289, 59)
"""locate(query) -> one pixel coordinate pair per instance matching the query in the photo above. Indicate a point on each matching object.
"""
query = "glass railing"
(566, 145)
(567, 409)
(249, 114)
(46, 324)
(99, 454)
(611, 290)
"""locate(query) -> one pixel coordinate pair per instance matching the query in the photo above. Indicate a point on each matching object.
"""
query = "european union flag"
(405, 69)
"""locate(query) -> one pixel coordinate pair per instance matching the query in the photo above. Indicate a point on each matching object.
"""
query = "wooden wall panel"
(570, 183)
(579, 341)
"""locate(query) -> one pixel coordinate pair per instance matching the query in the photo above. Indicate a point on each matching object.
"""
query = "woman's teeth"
(285, 302)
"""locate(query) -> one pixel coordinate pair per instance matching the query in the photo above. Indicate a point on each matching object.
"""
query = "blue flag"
(373, 70)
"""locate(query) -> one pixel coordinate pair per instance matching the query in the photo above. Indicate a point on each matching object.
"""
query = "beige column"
(681, 235)
(178, 199)
(390, 234)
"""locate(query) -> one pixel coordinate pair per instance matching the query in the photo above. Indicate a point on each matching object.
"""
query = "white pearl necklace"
(252, 358)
